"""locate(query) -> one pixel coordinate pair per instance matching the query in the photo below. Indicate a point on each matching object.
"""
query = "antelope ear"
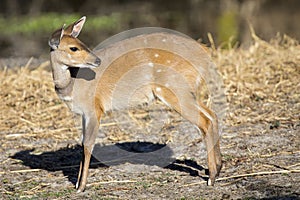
(75, 28)
(55, 38)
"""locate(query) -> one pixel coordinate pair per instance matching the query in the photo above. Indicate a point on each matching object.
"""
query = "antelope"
(93, 83)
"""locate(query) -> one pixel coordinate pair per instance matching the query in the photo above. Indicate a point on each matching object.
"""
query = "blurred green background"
(27, 24)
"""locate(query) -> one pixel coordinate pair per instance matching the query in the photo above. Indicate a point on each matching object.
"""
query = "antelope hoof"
(80, 189)
(211, 182)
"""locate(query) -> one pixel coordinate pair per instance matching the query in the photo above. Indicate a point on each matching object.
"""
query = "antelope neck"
(61, 75)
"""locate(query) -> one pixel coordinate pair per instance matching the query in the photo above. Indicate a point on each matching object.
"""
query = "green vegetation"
(227, 157)
(51, 21)
(57, 194)
(227, 28)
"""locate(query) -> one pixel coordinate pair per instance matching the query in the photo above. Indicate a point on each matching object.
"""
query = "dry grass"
(262, 82)
(30, 107)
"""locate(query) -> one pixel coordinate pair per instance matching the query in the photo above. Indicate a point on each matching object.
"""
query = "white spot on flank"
(159, 70)
(148, 77)
(164, 40)
(151, 64)
(156, 55)
(158, 89)
(167, 85)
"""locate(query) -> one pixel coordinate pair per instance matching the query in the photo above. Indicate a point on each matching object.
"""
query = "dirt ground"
(260, 142)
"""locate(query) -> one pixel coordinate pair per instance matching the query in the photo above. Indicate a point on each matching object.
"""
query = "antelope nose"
(98, 61)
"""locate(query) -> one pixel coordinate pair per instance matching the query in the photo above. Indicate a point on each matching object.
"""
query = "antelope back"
(141, 62)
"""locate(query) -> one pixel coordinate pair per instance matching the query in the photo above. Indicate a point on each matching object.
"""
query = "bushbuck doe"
(167, 66)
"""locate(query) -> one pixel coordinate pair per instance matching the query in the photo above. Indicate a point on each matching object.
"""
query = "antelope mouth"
(91, 65)
(95, 64)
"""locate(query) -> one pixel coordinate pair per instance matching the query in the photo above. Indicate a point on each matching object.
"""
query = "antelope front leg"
(90, 131)
(83, 171)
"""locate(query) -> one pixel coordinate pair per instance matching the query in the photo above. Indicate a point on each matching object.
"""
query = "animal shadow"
(67, 159)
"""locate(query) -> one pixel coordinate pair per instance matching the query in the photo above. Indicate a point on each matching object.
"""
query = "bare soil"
(260, 142)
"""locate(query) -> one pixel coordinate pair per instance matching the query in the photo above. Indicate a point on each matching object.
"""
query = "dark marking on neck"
(82, 73)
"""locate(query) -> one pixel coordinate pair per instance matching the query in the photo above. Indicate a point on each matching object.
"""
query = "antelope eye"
(74, 49)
